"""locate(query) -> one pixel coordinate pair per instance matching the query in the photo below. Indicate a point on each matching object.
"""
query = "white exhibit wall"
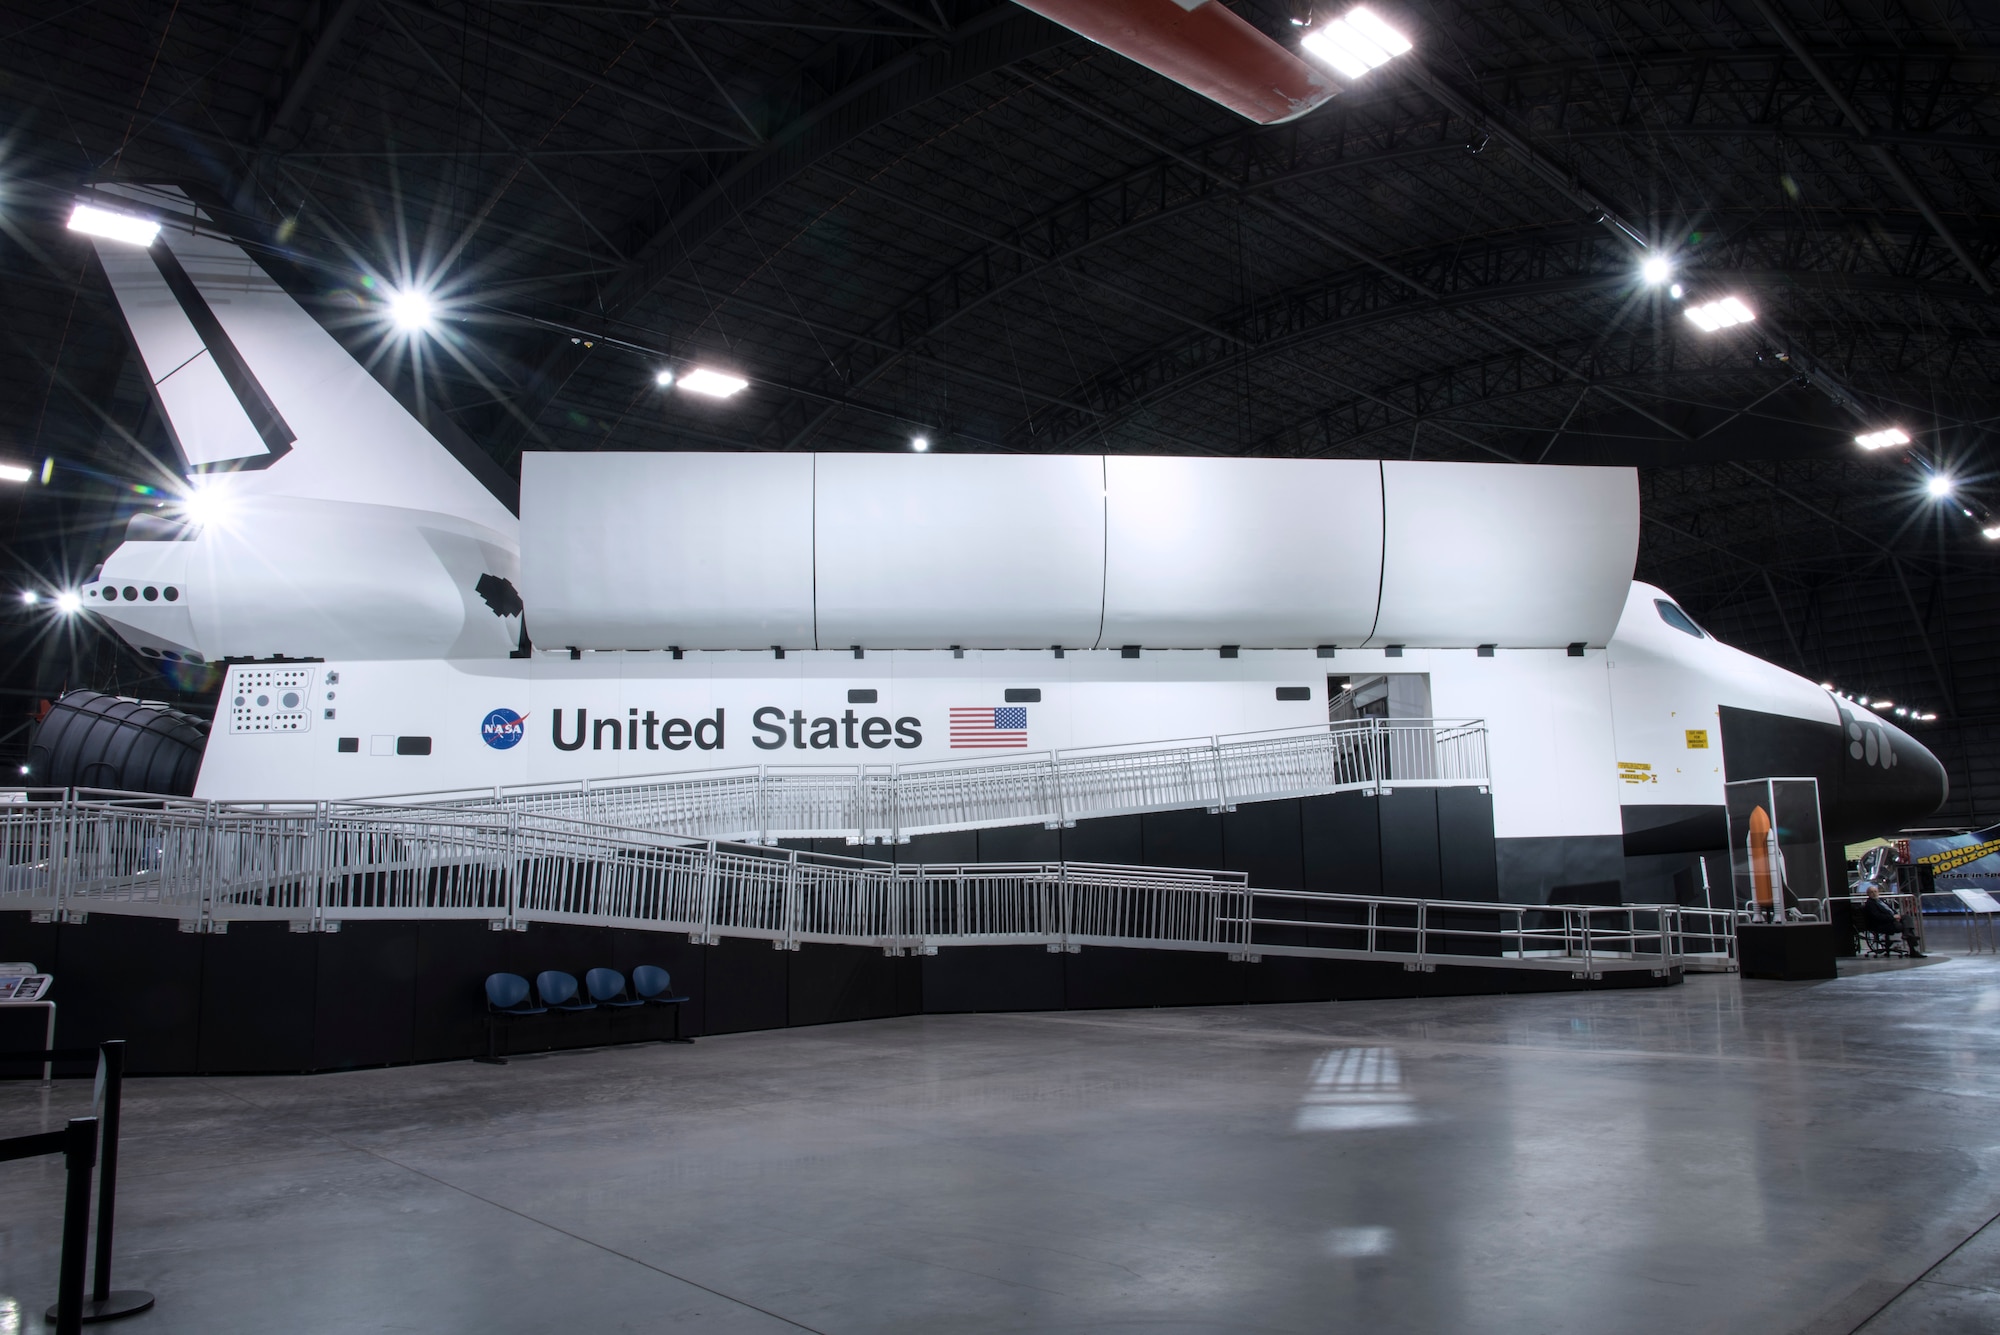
(921, 551)
(653, 551)
(1505, 554)
(1274, 552)
(1550, 740)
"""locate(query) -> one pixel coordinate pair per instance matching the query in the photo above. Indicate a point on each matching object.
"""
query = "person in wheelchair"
(1883, 922)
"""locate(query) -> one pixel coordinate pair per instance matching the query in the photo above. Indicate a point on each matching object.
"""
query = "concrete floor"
(1721, 1156)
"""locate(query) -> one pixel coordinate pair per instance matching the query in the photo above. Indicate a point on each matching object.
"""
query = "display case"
(1777, 857)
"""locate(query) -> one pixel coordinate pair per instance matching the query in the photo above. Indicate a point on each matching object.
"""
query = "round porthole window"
(291, 699)
(152, 594)
(111, 595)
(263, 701)
(131, 593)
(172, 594)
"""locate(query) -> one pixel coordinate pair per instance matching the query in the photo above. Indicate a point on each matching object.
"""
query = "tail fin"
(252, 384)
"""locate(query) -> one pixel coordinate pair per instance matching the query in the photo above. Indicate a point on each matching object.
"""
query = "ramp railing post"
(706, 937)
(791, 902)
(59, 854)
(763, 807)
(321, 879)
(860, 804)
(895, 804)
(511, 870)
(211, 871)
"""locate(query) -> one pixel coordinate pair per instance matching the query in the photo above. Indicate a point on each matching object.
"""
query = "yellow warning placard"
(1632, 771)
(1697, 739)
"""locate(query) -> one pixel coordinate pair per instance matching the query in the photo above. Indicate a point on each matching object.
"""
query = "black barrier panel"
(992, 978)
(1103, 978)
(1263, 839)
(1466, 861)
(1186, 838)
(1111, 839)
(133, 978)
(747, 987)
(946, 849)
(365, 996)
(257, 999)
(1341, 839)
(1020, 843)
(447, 994)
(826, 984)
(1410, 863)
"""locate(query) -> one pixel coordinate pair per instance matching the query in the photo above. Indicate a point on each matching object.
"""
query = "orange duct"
(1202, 46)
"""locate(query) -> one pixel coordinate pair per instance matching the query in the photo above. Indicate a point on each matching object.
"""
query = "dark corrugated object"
(88, 740)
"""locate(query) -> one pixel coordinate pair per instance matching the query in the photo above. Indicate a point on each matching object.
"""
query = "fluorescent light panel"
(1356, 42)
(93, 221)
(15, 473)
(1883, 439)
(714, 384)
(1721, 314)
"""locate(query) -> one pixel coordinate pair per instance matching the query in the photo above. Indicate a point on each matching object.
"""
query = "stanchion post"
(79, 1157)
(112, 1054)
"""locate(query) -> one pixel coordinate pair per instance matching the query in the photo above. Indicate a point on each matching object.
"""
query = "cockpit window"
(1678, 619)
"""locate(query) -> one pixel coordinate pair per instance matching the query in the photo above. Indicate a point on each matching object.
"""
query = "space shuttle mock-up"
(698, 610)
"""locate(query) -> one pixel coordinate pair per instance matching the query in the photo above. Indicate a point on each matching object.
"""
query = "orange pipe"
(1204, 47)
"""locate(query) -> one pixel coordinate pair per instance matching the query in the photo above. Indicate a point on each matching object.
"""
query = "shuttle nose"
(1888, 779)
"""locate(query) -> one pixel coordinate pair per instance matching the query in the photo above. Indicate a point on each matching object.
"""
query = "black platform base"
(1788, 951)
(263, 999)
(117, 1303)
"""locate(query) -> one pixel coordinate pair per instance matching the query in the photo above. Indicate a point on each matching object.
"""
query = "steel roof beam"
(1883, 153)
(714, 198)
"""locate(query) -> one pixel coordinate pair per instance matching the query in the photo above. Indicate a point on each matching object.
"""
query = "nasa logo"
(502, 728)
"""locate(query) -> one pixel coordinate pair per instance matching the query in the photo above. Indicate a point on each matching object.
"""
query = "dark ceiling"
(952, 218)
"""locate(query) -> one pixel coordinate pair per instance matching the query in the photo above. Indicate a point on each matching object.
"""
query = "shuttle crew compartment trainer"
(704, 609)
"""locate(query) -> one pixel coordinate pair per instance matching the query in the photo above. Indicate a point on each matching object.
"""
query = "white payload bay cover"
(922, 551)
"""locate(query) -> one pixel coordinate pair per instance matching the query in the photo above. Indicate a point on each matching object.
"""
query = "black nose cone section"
(1873, 777)
(1888, 779)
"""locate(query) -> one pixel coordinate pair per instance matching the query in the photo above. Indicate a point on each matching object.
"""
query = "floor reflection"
(1356, 1089)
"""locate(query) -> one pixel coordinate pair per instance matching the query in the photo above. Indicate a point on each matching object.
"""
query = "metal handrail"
(318, 865)
(865, 803)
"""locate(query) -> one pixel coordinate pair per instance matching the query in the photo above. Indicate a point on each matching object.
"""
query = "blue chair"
(607, 988)
(506, 999)
(654, 987)
(558, 992)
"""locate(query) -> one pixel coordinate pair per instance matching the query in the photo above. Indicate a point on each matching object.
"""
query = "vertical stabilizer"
(251, 383)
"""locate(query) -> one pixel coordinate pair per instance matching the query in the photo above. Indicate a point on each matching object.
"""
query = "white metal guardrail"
(890, 803)
(315, 866)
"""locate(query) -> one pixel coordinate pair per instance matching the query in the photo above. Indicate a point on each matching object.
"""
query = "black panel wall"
(1411, 864)
(1341, 843)
(263, 999)
(1113, 839)
(1466, 864)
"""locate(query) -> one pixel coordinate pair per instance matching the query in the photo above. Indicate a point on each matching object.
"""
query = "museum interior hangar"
(999, 665)
(405, 255)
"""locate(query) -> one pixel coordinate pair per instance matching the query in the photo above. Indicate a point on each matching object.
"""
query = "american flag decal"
(989, 728)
